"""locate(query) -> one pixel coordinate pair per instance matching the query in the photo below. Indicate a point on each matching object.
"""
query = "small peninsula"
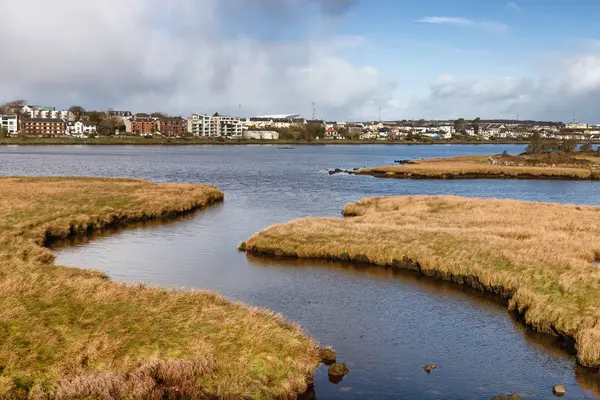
(542, 258)
(73, 333)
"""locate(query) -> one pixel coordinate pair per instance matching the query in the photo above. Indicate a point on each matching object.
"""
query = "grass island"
(73, 333)
(542, 258)
(553, 166)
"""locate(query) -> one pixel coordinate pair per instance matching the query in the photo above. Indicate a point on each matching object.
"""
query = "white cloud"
(568, 84)
(180, 57)
(512, 6)
(492, 27)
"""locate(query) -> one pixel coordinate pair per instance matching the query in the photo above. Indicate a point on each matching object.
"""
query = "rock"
(242, 247)
(361, 258)
(337, 370)
(345, 257)
(559, 390)
(430, 367)
(513, 396)
(328, 356)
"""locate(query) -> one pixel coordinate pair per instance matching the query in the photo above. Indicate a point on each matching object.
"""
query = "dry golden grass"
(68, 333)
(470, 167)
(542, 257)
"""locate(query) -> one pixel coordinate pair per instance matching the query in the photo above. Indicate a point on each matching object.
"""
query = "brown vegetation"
(69, 333)
(541, 257)
(582, 166)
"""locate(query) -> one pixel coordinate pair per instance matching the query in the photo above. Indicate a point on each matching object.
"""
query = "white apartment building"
(81, 128)
(10, 123)
(45, 112)
(202, 125)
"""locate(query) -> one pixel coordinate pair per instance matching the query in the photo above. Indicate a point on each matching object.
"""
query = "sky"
(355, 59)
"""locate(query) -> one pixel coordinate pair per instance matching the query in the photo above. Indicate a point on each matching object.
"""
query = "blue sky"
(414, 59)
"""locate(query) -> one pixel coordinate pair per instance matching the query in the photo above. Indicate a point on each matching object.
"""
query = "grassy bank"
(583, 166)
(71, 333)
(198, 141)
(541, 257)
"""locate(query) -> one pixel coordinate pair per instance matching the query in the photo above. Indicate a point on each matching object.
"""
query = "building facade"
(81, 128)
(172, 126)
(202, 125)
(45, 112)
(9, 124)
(141, 125)
(44, 127)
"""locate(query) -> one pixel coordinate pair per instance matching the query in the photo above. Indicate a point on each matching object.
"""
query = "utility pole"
(314, 111)
(379, 113)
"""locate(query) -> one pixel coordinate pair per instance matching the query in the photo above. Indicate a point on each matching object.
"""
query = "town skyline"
(429, 59)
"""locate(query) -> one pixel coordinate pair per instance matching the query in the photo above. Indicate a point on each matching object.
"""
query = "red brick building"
(142, 126)
(43, 127)
(172, 126)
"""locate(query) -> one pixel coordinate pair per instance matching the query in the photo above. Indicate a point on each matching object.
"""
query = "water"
(384, 326)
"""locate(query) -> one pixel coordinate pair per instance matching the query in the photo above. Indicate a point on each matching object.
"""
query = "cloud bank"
(180, 56)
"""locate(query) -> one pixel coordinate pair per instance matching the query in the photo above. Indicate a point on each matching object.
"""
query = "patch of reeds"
(477, 167)
(541, 257)
(71, 333)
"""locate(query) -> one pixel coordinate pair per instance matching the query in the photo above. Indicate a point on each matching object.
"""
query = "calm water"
(384, 326)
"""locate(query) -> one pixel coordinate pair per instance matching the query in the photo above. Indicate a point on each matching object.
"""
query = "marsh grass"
(72, 333)
(541, 257)
(472, 167)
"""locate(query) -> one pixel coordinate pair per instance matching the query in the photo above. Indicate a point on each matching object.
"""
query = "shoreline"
(164, 341)
(584, 168)
(176, 142)
(555, 311)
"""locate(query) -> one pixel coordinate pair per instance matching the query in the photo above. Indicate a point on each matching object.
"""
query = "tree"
(95, 117)
(569, 145)
(459, 125)
(13, 107)
(587, 146)
(158, 114)
(536, 144)
(476, 126)
(77, 113)
(3, 132)
(216, 114)
(108, 126)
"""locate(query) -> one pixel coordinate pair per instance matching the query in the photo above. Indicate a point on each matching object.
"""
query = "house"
(202, 125)
(332, 134)
(44, 112)
(44, 127)
(261, 135)
(172, 126)
(141, 125)
(81, 128)
(9, 124)
(114, 113)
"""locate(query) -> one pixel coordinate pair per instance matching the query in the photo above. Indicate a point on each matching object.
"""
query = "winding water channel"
(384, 325)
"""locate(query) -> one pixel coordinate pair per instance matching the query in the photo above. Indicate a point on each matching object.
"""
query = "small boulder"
(242, 247)
(337, 370)
(429, 368)
(328, 356)
(513, 396)
(559, 390)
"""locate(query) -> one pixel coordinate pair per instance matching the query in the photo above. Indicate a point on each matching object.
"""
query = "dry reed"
(70, 333)
(541, 257)
(472, 167)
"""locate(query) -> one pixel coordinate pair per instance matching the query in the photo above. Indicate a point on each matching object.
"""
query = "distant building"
(44, 127)
(114, 113)
(577, 126)
(141, 125)
(172, 126)
(261, 135)
(202, 125)
(10, 123)
(81, 128)
(45, 112)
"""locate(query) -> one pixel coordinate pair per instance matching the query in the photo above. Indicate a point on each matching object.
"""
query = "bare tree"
(77, 112)
(13, 107)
